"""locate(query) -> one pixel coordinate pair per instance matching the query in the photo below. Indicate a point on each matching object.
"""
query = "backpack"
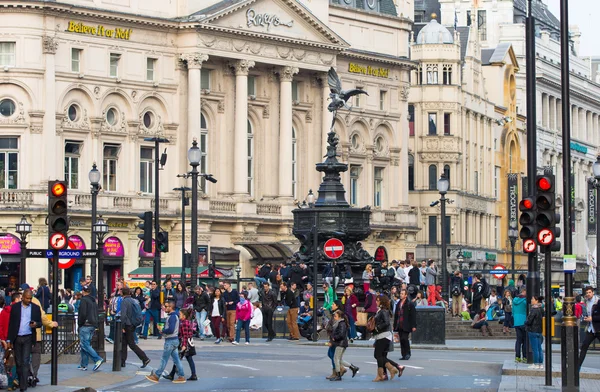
(137, 318)
(114, 305)
(455, 290)
(486, 290)
(391, 272)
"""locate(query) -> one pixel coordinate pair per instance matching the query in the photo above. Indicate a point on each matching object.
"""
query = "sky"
(580, 13)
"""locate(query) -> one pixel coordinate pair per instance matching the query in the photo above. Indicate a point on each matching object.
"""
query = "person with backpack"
(430, 275)
(131, 318)
(87, 321)
(456, 292)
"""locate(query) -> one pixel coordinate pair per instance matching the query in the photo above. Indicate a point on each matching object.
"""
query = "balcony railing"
(268, 209)
(15, 197)
(222, 206)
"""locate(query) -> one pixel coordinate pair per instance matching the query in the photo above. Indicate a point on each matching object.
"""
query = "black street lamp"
(513, 235)
(183, 190)
(24, 229)
(596, 171)
(100, 230)
(94, 177)
(311, 199)
(442, 185)
(238, 270)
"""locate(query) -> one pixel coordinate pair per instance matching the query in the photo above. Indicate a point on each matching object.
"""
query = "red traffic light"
(544, 183)
(58, 189)
(526, 204)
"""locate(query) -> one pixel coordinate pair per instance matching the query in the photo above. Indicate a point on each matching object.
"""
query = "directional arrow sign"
(36, 253)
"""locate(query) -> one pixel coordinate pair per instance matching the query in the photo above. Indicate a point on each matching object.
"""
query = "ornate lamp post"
(94, 177)
(442, 186)
(596, 170)
(100, 230)
(24, 229)
(183, 190)
(238, 270)
(513, 235)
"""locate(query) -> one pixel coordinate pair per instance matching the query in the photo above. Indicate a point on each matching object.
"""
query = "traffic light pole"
(156, 270)
(548, 316)
(54, 349)
(569, 332)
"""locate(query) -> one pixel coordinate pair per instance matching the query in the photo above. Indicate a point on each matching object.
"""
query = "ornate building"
(246, 78)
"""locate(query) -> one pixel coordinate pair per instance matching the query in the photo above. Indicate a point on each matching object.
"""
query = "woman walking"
(350, 308)
(217, 313)
(181, 295)
(339, 341)
(186, 342)
(534, 331)
(507, 307)
(243, 314)
(383, 340)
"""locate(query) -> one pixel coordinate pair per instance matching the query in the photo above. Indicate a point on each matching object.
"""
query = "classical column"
(53, 168)
(240, 138)
(194, 64)
(286, 75)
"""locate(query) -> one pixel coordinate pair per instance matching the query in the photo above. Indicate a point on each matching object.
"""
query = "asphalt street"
(285, 366)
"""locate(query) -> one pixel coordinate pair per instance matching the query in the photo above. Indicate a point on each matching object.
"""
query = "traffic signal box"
(146, 226)
(546, 216)
(58, 220)
(527, 220)
(162, 242)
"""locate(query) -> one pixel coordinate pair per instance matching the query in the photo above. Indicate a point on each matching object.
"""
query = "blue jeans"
(330, 354)
(200, 318)
(171, 349)
(535, 339)
(352, 329)
(85, 344)
(259, 282)
(154, 314)
(238, 328)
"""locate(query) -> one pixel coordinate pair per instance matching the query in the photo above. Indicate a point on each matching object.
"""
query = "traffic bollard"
(117, 345)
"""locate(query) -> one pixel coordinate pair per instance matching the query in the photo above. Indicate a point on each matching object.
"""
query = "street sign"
(333, 248)
(545, 237)
(89, 253)
(58, 241)
(65, 254)
(529, 246)
(36, 253)
(501, 271)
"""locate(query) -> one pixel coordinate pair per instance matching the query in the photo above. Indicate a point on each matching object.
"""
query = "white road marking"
(461, 360)
(144, 385)
(408, 366)
(239, 366)
(482, 381)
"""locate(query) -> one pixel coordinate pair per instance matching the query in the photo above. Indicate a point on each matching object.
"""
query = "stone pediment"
(276, 19)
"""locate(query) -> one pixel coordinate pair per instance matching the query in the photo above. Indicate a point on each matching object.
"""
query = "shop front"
(10, 264)
(113, 255)
(73, 274)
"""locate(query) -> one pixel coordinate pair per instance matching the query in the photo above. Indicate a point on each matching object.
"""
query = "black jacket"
(456, 281)
(273, 278)
(155, 300)
(269, 300)
(201, 302)
(339, 335)
(264, 272)
(382, 321)
(43, 295)
(127, 305)
(409, 321)
(534, 320)
(221, 306)
(290, 299)
(596, 317)
(14, 322)
(88, 312)
(232, 296)
(414, 276)
(296, 274)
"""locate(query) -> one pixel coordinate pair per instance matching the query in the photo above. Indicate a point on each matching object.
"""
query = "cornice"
(402, 63)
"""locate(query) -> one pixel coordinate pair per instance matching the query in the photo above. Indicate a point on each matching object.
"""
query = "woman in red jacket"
(350, 307)
(243, 314)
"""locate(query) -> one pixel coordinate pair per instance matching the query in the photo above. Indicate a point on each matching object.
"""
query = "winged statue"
(339, 98)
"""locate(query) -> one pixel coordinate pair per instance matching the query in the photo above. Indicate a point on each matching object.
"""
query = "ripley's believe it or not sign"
(368, 70)
(99, 31)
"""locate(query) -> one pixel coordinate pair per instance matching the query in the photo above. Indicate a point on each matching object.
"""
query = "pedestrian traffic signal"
(546, 217)
(146, 226)
(162, 242)
(58, 220)
(527, 219)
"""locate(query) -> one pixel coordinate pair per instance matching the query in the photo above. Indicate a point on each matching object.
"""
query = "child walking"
(339, 340)
(186, 341)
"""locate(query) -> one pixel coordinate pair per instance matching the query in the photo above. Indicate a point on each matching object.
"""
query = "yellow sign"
(99, 31)
(368, 70)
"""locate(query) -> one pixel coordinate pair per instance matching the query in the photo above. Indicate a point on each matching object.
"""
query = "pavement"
(300, 366)
(518, 377)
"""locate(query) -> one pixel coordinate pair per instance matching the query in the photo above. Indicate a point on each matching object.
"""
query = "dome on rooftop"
(434, 33)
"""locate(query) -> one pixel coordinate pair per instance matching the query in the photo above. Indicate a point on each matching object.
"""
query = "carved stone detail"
(18, 118)
(194, 60)
(117, 128)
(221, 106)
(266, 112)
(404, 93)
(308, 117)
(286, 74)
(242, 67)
(83, 122)
(49, 44)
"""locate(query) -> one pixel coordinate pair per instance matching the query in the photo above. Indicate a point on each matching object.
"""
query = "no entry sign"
(333, 248)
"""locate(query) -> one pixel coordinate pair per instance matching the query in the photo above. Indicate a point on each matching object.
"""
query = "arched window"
(294, 164)
(433, 177)
(420, 75)
(447, 174)
(432, 74)
(203, 150)
(411, 172)
(447, 77)
(250, 159)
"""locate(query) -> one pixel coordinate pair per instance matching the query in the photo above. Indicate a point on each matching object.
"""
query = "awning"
(267, 251)
(224, 254)
(145, 273)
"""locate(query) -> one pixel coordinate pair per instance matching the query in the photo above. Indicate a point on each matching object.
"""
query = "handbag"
(362, 319)
(9, 358)
(371, 324)
(206, 322)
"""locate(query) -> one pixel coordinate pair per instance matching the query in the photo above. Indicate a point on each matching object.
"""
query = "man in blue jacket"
(171, 347)
(519, 308)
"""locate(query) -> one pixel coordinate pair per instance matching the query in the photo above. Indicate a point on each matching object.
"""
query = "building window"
(382, 99)
(496, 179)
(76, 60)
(377, 186)
(203, 150)
(432, 123)
(250, 159)
(433, 230)
(482, 24)
(496, 232)
(109, 169)
(150, 67)
(468, 17)
(9, 162)
(447, 124)
(447, 74)
(433, 177)
(112, 117)
(149, 120)
(294, 164)
(420, 75)
(146, 165)
(7, 107)
(432, 74)
(252, 85)
(72, 154)
(205, 79)
(354, 177)
(411, 120)
(295, 92)
(7, 54)
(447, 175)
(411, 172)
(115, 58)
(476, 182)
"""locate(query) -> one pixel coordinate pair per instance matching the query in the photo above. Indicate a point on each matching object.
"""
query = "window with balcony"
(109, 167)
(432, 120)
(150, 69)
(115, 59)
(433, 177)
(7, 54)
(354, 182)
(76, 60)
(146, 169)
(72, 155)
(9, 162)
(378, 186)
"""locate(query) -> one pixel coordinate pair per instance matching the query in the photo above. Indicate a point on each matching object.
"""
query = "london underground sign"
(333, 248)
(501, 271)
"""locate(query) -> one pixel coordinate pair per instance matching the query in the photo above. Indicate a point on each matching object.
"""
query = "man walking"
(25, 318)
(131, 312)
(231, 298)
(201, 304)
(405, 322)
(292, 314)
(269, 303)
(36, 351)
(153, 312)
(592, 332)
(430, 275)
(88, 322)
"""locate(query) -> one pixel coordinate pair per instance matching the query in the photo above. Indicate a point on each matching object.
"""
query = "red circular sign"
(67, 263)
(498, 267)
(529, 246)
(333, 248)
(545, 237)
(58, 241)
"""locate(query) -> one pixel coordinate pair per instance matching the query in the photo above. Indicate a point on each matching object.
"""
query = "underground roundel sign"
(333, 248)
(67, 263)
